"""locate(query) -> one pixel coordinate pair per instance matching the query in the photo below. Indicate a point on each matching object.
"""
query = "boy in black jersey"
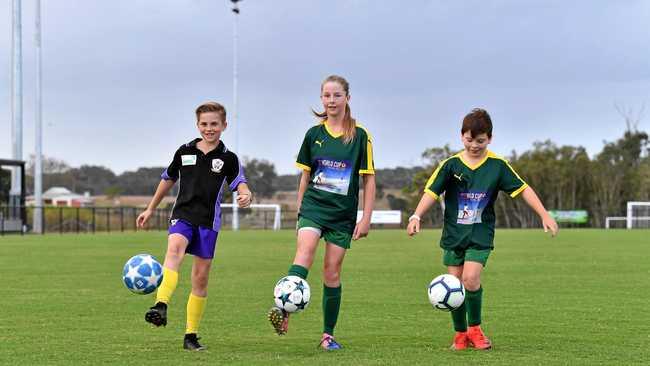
(204, 166)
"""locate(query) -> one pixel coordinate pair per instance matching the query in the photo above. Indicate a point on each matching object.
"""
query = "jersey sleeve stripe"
(303, 167)
(370, 166)
(434, 175)
(521, 189)
(239, 179)
(431, 193)
(165, 176)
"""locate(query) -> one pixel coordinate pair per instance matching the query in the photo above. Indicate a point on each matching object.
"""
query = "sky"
(121, 79)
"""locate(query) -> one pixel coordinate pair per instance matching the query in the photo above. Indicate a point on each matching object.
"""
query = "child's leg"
(473, 291)
(458, 316)
(176, 245)
(197, 300)
(334, 255)
(306, 245)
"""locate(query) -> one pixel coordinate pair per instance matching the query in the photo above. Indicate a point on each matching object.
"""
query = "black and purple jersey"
(202, 177)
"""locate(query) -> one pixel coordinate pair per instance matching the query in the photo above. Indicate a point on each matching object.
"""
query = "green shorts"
(456, 257)
(337, 237)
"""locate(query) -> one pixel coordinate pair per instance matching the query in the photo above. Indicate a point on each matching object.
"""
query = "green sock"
(473, 299)
(459, 317)
(298, 270)
(331, 306)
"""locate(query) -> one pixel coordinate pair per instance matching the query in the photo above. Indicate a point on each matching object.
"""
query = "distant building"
(60, 196)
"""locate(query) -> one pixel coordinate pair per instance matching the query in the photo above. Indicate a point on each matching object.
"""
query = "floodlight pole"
(16, 105)
(38, 160)
(235, 113)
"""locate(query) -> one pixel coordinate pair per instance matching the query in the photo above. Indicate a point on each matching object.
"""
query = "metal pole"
(17, 102)
(235, 114)
(38, 160)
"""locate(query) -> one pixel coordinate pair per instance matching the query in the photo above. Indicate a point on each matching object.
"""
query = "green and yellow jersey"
(332, 197)
(469, 195)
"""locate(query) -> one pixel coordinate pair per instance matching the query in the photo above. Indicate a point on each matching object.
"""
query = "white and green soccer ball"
(291, 294)
(446, 292)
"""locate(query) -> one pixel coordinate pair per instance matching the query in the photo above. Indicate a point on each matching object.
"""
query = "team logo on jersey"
(332, 175)
(174, 222)
(471, 206)
(188, 160)
(217, 164)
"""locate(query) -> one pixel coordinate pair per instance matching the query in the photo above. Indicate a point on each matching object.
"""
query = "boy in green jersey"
(471, 181)
(333, 155)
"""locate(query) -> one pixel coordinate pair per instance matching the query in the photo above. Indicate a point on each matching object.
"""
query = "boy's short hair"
(211, 107)
(478, 121)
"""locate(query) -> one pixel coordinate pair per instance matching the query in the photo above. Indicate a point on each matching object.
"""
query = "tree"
(142, 182)
(261, 175)
(413, 192)
(616, 174)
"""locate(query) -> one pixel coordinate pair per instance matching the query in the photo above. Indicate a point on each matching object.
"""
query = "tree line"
(565, 178)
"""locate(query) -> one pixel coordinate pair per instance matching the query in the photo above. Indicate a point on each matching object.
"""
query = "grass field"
(580, 299)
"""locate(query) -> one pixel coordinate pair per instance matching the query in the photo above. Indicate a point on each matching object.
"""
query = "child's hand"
(549, 224)
(361, 229)
(244, 199)
(413, 226)
(142, 219)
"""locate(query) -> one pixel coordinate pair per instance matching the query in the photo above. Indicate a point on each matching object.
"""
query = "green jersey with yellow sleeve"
(469, 196)
(332, 197)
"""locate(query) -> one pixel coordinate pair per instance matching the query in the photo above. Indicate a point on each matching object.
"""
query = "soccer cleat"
(279, 319)
(328, 343)
(460, 341)
(477, 338)
(191, 342)
(157, 314)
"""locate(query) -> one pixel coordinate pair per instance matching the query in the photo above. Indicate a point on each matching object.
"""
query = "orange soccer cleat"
(477, 338)
(461, 341)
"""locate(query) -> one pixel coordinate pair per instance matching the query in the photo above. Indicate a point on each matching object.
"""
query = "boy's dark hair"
(478, 121)
(211, 107)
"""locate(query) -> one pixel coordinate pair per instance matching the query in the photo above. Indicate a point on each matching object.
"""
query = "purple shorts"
(202, 241)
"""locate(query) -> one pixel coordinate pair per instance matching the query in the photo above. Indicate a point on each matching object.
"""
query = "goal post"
(638, 215)
(277, 210)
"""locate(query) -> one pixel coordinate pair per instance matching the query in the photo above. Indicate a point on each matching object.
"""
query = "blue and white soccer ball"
(142, 274)
(446, 292)
(291, 294)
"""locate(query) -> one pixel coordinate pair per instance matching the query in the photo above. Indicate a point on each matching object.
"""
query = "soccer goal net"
(257, 216)
(637, 217)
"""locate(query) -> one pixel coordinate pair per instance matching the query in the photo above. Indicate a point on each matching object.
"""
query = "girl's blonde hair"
(349, 123)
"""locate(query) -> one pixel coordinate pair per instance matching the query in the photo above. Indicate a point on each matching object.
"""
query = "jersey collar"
(477, 165)
(327, 128)
(221, 147)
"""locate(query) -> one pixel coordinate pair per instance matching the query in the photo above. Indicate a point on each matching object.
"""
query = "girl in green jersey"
(333, 155)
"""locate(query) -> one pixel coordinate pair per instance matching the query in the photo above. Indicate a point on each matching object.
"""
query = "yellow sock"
(168, 285)
(195, 309)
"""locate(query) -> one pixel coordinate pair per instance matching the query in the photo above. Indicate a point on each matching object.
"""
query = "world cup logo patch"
(217, 164)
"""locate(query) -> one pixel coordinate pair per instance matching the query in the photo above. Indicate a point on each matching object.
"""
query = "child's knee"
(471, 282)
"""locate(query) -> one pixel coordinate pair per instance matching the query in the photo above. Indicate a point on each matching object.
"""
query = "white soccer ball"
(446, 292)
(291, 294)
(142, 274)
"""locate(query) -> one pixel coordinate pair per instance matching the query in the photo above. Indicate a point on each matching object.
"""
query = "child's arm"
(534, 202)
(424, 205)
(244, 195)
(163, 188)
(362, 228)
(302, 187)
